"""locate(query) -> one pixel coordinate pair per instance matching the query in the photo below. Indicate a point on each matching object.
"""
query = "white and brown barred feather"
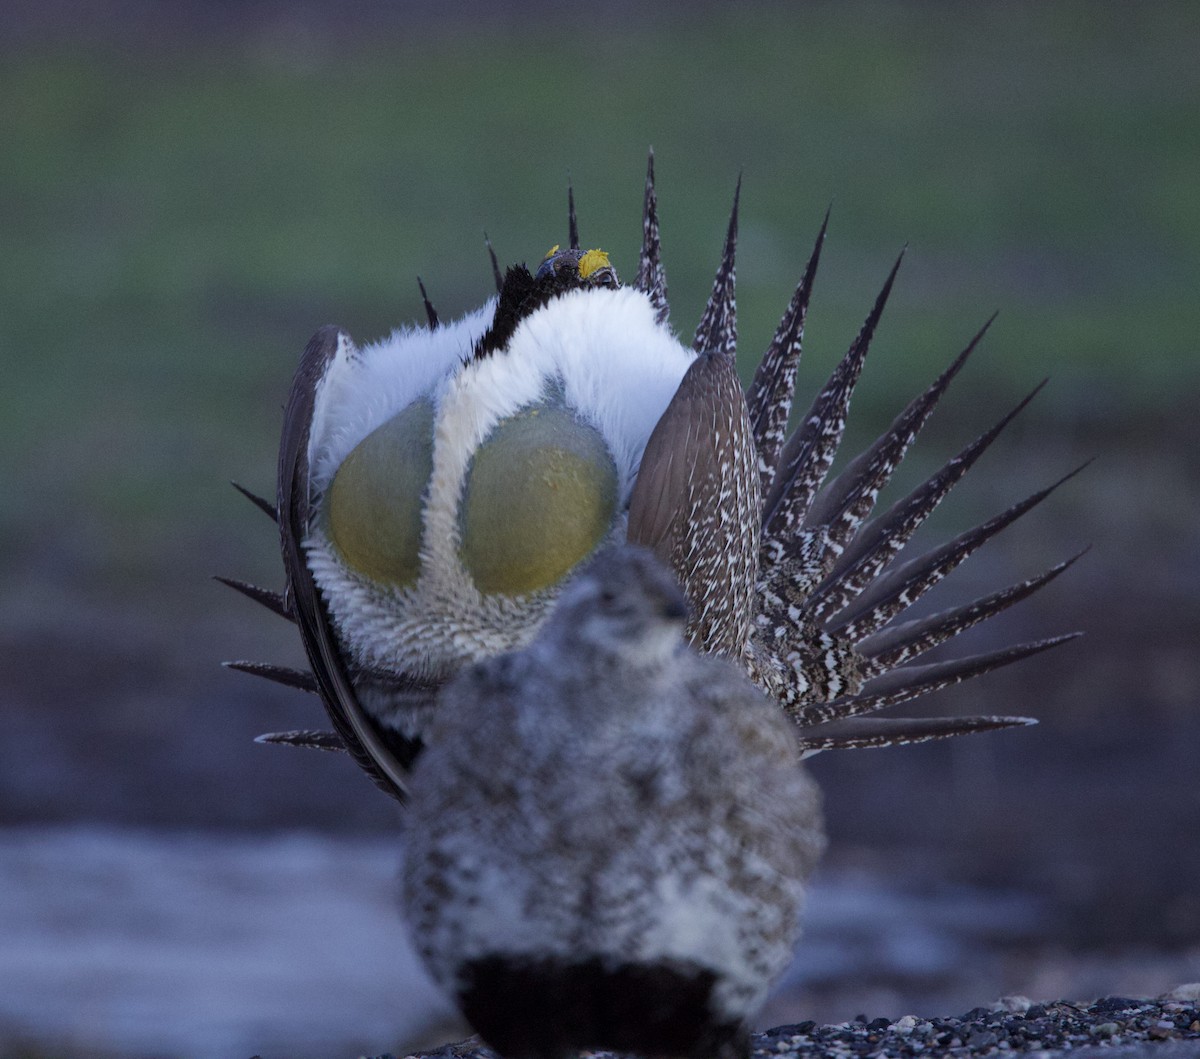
(787, 572)
(697, 506)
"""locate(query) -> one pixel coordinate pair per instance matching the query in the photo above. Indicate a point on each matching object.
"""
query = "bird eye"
(375, 499)
(541, 493)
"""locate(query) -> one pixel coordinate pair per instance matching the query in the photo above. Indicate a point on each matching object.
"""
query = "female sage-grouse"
(608, 835)
(437, 489)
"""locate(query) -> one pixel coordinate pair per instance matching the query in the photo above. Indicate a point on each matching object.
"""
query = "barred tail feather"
(769, 399)
(717, 330)
(849, 499)
(872, 732)
(878, 544)
(903, 586)
(651, 276)
(808, 453)
(909, 682)
(897, 644)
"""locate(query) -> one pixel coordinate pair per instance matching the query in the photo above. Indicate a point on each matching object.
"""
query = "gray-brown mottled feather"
(582, 798)
(717, 330)
(696, 502)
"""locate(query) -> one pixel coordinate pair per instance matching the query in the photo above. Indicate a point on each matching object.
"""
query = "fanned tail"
(825, 641)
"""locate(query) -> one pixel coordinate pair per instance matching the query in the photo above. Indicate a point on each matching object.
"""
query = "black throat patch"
(522, 293)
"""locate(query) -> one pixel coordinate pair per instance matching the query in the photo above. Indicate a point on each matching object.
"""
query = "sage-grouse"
(437, 489)
(608, 835)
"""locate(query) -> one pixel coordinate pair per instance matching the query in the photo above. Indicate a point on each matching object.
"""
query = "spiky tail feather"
(828, 587)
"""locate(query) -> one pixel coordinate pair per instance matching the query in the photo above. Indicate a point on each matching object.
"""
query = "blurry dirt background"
(188, 191)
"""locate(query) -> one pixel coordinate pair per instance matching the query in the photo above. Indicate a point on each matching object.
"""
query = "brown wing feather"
(697, 503)
(358, 732)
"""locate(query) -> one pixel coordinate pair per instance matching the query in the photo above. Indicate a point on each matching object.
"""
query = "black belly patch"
(546, 1009)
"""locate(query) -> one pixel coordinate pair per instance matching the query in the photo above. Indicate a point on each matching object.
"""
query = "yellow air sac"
(540, 495)
(376, 497)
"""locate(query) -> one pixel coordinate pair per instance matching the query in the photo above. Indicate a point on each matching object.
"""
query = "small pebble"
(1015, 1005)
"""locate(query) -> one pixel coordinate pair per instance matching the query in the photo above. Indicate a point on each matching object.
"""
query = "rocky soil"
(1168, 1026)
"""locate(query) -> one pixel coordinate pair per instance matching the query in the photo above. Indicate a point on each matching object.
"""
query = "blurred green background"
(181, 211)
(188, 191)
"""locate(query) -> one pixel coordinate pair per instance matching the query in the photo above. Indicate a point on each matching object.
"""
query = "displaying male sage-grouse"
(608, 835)
(437, 489)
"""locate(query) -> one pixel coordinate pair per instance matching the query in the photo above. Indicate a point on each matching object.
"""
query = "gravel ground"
(1114, 1026)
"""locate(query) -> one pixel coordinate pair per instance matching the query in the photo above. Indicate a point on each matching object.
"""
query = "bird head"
(623, 604)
